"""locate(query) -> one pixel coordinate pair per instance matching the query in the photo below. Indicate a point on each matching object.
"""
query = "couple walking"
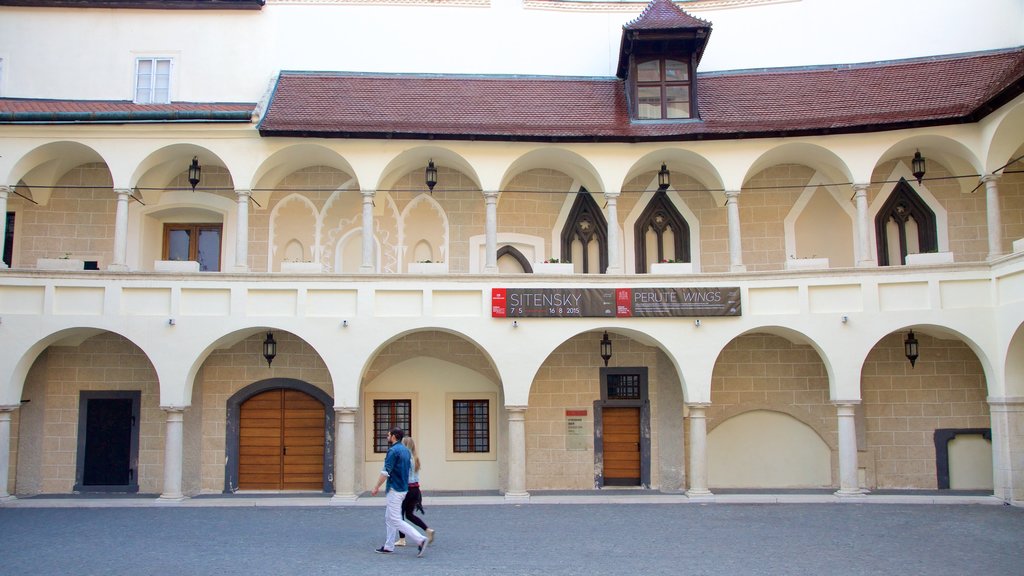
(401, 472)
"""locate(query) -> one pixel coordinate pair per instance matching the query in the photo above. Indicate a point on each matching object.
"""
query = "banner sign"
(614, 302)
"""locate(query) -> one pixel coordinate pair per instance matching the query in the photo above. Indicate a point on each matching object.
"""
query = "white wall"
(234, 55)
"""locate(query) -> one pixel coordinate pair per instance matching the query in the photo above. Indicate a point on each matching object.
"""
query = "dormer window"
(658, 60)
(662, 89)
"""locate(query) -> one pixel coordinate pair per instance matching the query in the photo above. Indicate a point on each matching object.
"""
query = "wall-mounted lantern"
(270, 348)
(606, 348)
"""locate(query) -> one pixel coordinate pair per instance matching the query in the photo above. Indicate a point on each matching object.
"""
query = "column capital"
(860, 187)
(491, 194)
(124, 191)
(846, 402)
(242, 192)
(8, 408)
(1006, 403)
(174, 409)
(516, 408)
(368, 193)
(729, 194)
(612, 194)
(990, 177)
(5, 189)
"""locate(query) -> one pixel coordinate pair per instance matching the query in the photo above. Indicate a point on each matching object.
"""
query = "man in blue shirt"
(396, 474)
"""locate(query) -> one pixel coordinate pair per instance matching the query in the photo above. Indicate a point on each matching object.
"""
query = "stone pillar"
(242, 231)
(121, 231)
(367, 266)
(732, 205)
(516, 454)
(615, 265)
(698, 453)
(1007, 418)
(5, 450)
(848, 484)
(344, 455)
(860, 198)
(491, 233)
(995, 223)
(4, 192)
(173, 443)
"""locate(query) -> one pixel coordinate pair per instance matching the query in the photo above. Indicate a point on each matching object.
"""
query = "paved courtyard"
(493, 540)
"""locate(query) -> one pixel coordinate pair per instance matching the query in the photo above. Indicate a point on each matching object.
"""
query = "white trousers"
(394, 523)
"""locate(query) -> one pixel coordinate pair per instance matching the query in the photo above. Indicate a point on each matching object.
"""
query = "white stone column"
(516, 453)
(1007, 419)
(121, 231)
(344, 455)
(732, 205)
(367, 266)
(995, 223)
(173, 457)
(242, 230)
(491, 233)
(698, 453)
(860, 199)
(4, 192)
(615, 265)
(848, 484)
(5, 451)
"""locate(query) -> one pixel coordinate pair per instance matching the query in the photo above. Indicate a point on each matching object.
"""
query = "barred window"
(388, 414)
(471, 426)
(623, 386)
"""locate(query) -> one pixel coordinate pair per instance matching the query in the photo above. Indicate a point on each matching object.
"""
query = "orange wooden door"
(621, 437)
(281, 442)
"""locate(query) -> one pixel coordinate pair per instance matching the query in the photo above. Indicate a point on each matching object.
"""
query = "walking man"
(396, 474)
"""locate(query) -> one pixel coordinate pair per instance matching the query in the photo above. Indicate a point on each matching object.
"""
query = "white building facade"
(177, 332)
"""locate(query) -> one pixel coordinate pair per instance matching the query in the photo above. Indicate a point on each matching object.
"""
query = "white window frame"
(152, 88)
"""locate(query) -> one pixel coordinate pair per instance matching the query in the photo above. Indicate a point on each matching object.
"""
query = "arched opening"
(585, 236)
(908, 218)
(279, 437)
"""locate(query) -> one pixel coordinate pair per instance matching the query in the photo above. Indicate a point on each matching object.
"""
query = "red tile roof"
(23, 110)
(775, 102)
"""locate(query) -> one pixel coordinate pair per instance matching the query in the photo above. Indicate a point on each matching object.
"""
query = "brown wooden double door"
(281, 442)
(621, 433)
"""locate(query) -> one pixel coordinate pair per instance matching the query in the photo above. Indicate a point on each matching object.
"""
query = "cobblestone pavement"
(541, 539)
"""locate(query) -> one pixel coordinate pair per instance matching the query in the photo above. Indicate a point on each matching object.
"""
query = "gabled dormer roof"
(664, 15)
(662, 20)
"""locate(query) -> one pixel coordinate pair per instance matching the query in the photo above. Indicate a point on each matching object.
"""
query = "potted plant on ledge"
(671, 266)
(553, 266)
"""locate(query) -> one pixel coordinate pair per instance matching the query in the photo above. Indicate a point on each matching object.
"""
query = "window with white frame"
(153, 81)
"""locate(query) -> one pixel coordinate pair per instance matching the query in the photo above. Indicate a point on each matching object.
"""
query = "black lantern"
(910, 348)
(269, 348)
(431, 176)
(195, 171)
(606, 348)
(663, 178)
(918, 166)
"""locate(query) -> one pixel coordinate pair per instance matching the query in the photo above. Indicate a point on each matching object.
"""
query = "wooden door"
(281, 442)
(621, 438)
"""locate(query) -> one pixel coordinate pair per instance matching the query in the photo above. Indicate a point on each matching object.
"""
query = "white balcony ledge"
(301, 267)
(428, 268)
(806, 263)
(60, 264)
(175, 266)
(672, 268)
(929, 258)
(552, 268)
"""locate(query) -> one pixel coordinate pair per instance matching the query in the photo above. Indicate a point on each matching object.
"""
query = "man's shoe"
(422, 548)
(382, 550)
(430, 535)
(400, 542)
